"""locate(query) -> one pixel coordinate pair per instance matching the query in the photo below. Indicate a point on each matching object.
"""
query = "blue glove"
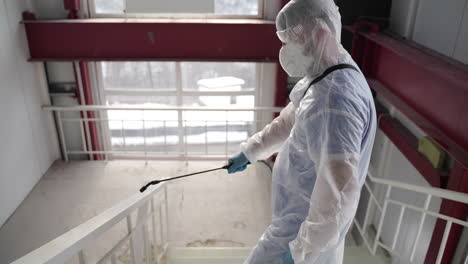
(287, 258)
(238, 163)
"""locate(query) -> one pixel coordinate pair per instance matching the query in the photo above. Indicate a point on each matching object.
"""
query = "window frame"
(179, 93)
(93, 14)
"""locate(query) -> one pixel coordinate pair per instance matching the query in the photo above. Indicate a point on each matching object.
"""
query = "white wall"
(443, 27)
(27, 134)
(439, 25)
(51, 9)
(402, 17)
(271, 9)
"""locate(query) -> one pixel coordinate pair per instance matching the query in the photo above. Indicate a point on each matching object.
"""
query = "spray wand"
(142, 189)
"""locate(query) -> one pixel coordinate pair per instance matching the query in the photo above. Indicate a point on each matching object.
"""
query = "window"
(177, 7)
(179, 84)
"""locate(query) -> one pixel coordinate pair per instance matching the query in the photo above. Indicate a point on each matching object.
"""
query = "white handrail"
(429, 192)
(72, 242)
(442, 193)
(103, 107)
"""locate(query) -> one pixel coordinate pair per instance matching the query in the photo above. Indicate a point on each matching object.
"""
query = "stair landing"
(236, 255)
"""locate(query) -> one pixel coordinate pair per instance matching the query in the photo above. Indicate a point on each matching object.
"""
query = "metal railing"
(379, 206)
(146, 238)
(158, 133)
(151, 209)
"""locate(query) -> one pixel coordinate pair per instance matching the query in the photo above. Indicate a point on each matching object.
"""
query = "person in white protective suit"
(324, 138)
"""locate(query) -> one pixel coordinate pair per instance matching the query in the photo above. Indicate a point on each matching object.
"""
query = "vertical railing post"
(166, 203)
(81, 257)
(421, 225)
(382, 216)
(153, 224)
(181, 133)
(227, 137)
(444, 242)
(185, 140)
(161, 225)
(83, 137)
(165, 137)
(138, 246)
(180, 103)
(144, 138)
(206, 137)
(397, 233)
(124, 144)
(62, 135)
(129, 231)
(146, 243)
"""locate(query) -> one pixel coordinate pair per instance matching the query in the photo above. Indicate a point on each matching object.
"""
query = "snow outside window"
(171, 7)
(175, 84)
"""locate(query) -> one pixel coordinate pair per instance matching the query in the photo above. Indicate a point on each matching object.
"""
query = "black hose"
(142, 189)
(225, 167)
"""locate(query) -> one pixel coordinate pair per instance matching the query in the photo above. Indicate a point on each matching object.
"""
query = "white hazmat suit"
(324, 138)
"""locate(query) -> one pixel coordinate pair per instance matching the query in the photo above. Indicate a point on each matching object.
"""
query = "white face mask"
(293, 60)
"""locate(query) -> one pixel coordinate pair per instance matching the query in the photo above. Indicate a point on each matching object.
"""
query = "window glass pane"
(109, 6)
(139, 75)
(218, 76)
(226, 7)
(159, 130)
(214, 138)
(215, 132)
(236, 7)
(131, 135)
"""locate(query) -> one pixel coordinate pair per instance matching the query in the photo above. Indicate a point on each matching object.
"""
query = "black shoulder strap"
(328, 71)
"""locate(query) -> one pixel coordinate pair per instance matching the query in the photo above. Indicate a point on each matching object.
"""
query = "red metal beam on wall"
(407, 143)
(429, 89)
(432, 91)
(161, 39)
(281, 93)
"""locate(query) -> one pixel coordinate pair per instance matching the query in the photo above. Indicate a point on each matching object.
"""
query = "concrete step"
(237, 255)
(207, 255)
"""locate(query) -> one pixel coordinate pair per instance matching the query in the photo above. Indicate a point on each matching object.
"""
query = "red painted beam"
(428, 88)
(88, 100)
(458, 181)
(407, 143)
(281, 93)
(71, 5)
(161, 39)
